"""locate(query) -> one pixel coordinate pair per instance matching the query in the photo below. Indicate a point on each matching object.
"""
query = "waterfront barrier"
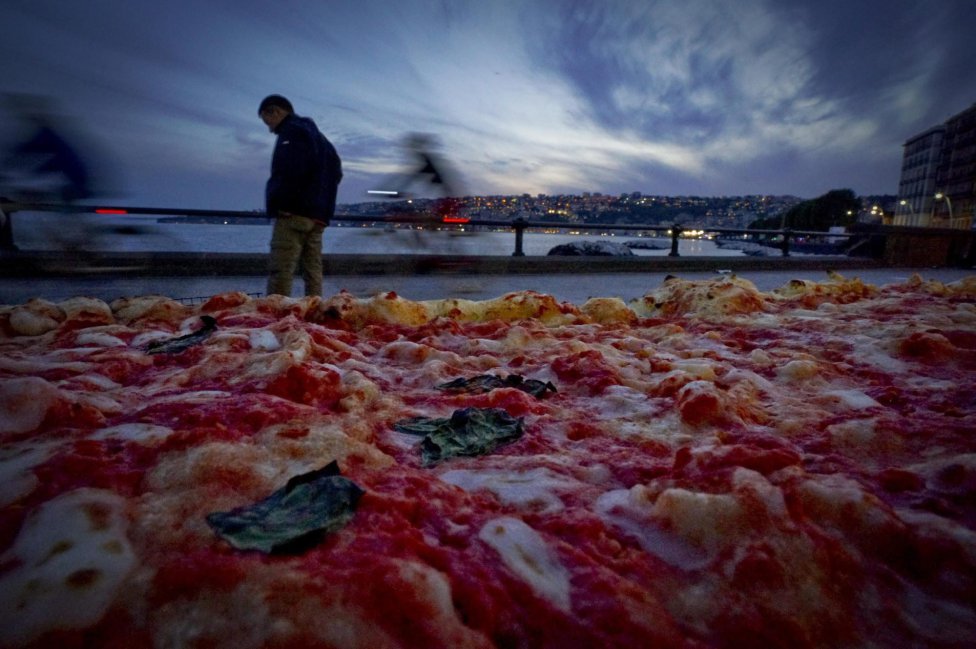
(890, 245)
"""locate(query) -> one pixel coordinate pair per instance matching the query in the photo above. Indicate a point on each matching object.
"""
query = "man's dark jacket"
(305, 171)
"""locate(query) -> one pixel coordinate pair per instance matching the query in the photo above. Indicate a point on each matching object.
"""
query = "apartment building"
(938, 175)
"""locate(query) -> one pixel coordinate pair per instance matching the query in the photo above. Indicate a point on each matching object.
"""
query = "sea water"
(137, 233)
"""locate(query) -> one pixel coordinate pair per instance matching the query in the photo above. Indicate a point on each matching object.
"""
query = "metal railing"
(519, 226)
(675, 232)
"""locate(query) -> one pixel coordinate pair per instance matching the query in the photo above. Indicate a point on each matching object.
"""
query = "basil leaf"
(537, 389)
(420, 426)
(294, 518)
(178, 344)
(475, 385)
(488, 382)
(467, 432)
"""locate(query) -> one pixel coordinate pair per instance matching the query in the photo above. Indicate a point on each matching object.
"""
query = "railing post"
(519, 224)
(675, 235)
(7, 230)
(787, 234)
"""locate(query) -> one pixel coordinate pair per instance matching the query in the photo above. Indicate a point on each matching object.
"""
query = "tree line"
(838, 207)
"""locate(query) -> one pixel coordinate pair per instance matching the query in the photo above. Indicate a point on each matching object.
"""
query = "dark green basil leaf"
(178, 344)
(488, 382)
(293, 518)
(467, 432)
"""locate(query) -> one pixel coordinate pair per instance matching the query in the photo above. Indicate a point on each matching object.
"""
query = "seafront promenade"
(195, 276)
(63, 264)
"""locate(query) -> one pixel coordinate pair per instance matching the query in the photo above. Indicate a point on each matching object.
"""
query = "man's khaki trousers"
(296, 240)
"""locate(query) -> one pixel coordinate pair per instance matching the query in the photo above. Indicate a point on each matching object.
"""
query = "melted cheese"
(534, 490)
(855, 433)
(17, 463)
(72, 556)
(98, 339)
(264, 340)
(707, 521)
(41, 364)
(629, 511)
(526, 554)
(798, 370)
(850, 399)
(142, 433)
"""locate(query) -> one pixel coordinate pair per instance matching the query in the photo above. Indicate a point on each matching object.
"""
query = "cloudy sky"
(689, 97)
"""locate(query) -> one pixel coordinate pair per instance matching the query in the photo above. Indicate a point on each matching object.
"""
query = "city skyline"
(702, 99)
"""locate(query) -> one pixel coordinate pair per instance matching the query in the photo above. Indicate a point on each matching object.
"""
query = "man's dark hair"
(275, 100)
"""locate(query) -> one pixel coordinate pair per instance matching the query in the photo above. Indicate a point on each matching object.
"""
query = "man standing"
(300, 195)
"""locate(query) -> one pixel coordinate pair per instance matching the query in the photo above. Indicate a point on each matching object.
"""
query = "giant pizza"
(709, 465)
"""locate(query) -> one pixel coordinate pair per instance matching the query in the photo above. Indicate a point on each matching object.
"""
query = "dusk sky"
(690, 97)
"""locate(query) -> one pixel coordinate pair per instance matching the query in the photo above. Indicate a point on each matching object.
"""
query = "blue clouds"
(740, 84)
(696, 97)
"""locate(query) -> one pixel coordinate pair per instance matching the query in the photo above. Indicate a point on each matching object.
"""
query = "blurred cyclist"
(427, 169)
(46, 165)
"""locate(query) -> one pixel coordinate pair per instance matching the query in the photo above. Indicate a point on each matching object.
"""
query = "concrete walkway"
(425, 278)
(63, 264)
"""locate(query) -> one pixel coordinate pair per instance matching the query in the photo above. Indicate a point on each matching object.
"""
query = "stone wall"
(929, 247)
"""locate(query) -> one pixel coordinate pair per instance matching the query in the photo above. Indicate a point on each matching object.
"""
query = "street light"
(939, 196)
(911, 210)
